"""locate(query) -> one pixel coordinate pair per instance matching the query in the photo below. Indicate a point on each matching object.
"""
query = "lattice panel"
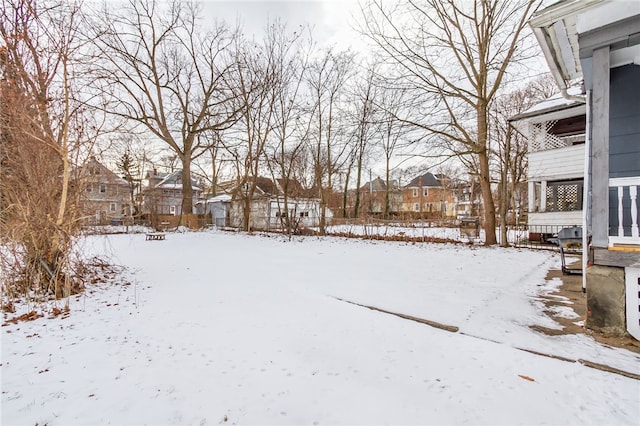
(563, 197)
(541, 140)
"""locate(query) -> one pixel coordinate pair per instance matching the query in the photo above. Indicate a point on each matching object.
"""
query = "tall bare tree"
(510, 146)
(326, 80)
(255, 77)
(291, 57)
(167, 74)
(392, 134)
(365, 126)
(455, 55)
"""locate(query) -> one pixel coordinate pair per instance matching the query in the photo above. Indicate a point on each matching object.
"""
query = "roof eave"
(542, 25)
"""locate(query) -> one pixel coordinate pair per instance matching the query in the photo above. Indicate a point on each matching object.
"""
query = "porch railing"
(624, 219)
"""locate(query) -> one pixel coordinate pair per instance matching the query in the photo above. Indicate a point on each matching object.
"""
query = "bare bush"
(42, 127)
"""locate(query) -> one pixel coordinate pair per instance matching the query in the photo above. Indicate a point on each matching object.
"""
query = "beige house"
(163, 193)
(106, 197)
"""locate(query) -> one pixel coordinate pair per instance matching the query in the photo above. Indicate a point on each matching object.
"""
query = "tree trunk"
(345, 194)
(187, 188)
(485, 178)
(387, 201)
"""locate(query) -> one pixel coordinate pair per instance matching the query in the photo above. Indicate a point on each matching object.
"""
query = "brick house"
(429, 196)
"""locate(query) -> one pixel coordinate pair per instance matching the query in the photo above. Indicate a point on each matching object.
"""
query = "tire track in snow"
(455, 329)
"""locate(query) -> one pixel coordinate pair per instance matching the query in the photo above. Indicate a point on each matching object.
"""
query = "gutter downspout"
(575, 98)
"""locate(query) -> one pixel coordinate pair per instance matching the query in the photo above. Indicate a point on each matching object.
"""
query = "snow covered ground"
(221, 328)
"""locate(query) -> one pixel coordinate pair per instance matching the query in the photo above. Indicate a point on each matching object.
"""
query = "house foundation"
(606, 299)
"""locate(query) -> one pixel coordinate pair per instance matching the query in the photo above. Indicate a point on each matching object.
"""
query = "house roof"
(275, 187)
(174, 181)
(105, 175)
(428, 179)
(378, 184)
(219, 199)
(553, 108)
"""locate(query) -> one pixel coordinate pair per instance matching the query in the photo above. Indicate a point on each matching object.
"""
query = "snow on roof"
(554, 103)
(219, 198)
(174, 181)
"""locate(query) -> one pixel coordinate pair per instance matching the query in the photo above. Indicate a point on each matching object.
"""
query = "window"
(425, 191)
(172, 210)
(415, 192)
(564, 196)
(103, 188)
(89, 188)
(416, 207)
(113, 207)
(304, 214)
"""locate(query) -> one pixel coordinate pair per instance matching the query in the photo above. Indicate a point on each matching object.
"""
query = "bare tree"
(45, 125)
(291, 56)
(168, 75)
(255, 77)
(326, 80)
(510, 147)
(455, 55)
(393, 131)
(365, 125)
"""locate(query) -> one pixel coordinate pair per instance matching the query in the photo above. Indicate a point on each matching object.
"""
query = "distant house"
(556, 133)
(106, 197)
(218, 207)
(267, 208)
(163, 193)
(429, 196)
(467, 199)
(598, 42)
(373, 197)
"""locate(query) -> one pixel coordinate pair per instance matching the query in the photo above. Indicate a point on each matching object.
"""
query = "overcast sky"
(331, 19)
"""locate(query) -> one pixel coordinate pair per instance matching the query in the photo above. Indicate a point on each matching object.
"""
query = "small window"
(172, 210)
(425, 191)
(416, 207)
(304, 214)
(103, 188)
(113, 207)
(415, 192)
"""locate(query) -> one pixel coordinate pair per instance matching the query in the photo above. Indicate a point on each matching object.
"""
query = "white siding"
(556, 164)
(556, 218)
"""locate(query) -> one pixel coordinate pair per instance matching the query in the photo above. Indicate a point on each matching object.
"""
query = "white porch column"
(532, 197)
(600, 148)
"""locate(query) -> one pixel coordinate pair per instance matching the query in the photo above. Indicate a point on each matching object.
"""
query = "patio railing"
(624, 219)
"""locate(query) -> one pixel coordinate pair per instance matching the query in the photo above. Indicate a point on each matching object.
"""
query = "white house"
(268, 209)
(555, 130)
(597, 42)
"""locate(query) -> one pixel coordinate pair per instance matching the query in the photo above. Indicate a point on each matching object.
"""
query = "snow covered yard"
(235, 329)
